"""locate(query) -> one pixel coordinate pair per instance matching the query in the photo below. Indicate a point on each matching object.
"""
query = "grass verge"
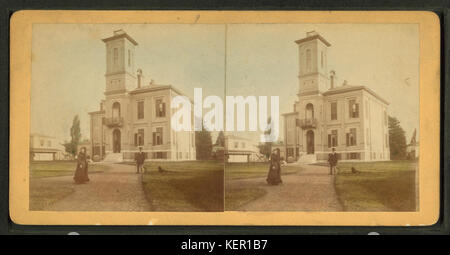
(254, 170)
(41, 169)
(236, 198)
(379, 186)
(41, 195)
(184, 186)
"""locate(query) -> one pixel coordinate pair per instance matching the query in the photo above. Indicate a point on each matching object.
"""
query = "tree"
(266, 148)
(203, 144)
(220, 141)
(397, 139)
(75, 134)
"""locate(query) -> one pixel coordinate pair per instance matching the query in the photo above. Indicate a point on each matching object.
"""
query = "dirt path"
(312, 189)
(118, 189)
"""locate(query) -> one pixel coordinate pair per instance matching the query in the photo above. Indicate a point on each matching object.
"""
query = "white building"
(44, 147)
(350, 118)
(239, 149)
(133, 114)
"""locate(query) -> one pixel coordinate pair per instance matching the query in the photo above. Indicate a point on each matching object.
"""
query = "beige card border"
(20, 78)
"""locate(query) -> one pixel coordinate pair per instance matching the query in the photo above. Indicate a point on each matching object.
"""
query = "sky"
(69, 63)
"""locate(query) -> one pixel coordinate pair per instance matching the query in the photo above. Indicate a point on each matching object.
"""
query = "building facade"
(352, 119)
(134, 115)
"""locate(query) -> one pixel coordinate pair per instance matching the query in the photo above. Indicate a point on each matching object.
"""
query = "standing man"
(332, 160)
(139, 158)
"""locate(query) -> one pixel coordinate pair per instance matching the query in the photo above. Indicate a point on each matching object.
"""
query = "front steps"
(307, 159)
(113, 157)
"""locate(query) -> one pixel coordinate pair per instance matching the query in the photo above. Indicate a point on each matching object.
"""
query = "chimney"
(295, 107)
(332, 78)
(139, 76)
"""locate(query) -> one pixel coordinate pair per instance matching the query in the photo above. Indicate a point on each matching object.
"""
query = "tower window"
(367, 109)
(321, 59)
(116, 110)
(129, 58)
(116, 56)
(308, 60)
(309, 111)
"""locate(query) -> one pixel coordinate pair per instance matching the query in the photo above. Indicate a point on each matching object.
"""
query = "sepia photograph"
(225, 118)
(101, 136)
(349, 117)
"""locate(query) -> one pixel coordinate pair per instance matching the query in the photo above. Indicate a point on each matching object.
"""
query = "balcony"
(307, 123)
(114, 122)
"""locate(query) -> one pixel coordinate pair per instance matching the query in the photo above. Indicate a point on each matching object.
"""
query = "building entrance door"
(116, 141)
(310, 142)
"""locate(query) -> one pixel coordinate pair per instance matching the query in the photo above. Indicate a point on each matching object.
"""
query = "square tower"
(120, 73)
(313, 71)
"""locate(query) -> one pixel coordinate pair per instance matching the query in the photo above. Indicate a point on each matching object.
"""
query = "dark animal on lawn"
(354, 171)
(161, 170)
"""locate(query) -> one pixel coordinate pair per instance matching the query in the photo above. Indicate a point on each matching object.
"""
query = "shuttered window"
(140, 109)
(158, 136)
(333, 139)
(141, 137)
(353, 109)
(334, 111)
(351, 137)
(160, 107)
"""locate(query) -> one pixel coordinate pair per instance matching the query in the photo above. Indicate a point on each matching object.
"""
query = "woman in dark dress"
(274, 175)
(81, 174)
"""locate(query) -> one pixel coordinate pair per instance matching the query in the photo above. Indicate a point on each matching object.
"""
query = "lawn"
(253, 170)
(379, 186)
(40, 169)
(41, 193)
(184, 186)
(235, 197)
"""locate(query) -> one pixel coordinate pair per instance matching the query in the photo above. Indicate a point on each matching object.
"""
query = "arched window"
(309, 111)
(308, 60)
(116, 110)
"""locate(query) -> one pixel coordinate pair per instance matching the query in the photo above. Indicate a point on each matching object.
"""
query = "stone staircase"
(113, 157)
(307, 159)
